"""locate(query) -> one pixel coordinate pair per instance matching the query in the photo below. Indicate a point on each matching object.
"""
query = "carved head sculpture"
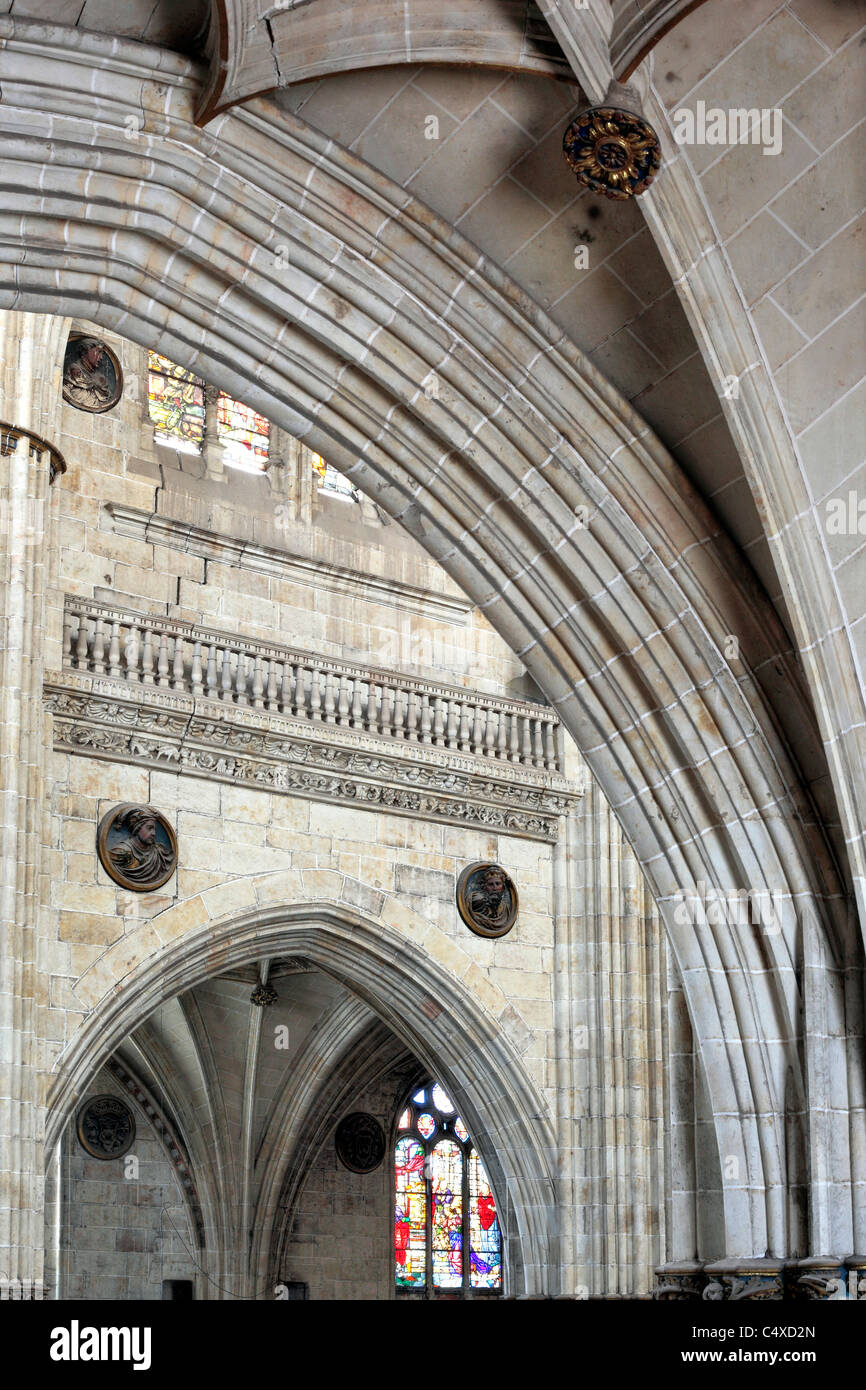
(487, 899)
(137, 847)
(92, 375)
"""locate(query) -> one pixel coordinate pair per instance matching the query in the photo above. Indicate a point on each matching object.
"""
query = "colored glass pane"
(330, 480)
(485, 1243)
(441, 1101)
(244, 433)
(420, 1097)
(405, 1119)
(446, 1175)
(410, 1215)
(460, 1129)
(175, 401)
(426, 1125)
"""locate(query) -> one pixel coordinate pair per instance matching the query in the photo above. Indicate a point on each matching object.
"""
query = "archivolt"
(520, 469)
(405, 989)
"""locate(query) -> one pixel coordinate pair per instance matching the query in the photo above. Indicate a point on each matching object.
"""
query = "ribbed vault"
(433, 1015)
(294, 276)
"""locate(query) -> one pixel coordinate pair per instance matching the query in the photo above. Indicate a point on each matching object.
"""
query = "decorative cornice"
(299, 569)
(202, 738)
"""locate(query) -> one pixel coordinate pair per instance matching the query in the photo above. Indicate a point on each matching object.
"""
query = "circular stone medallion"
(92, 375)
(360, 1142)
(612, 151)
(137, 847)
(487, 899)
(106, 1127)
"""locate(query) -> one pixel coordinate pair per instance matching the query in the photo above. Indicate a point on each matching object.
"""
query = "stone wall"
(369, 595)
(121, 1237)
(240, 848)
(341, 1239)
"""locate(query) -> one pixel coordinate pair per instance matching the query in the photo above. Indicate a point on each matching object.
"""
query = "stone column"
(31, 351)
(212, 449)
(619, 1038)
(306, 484)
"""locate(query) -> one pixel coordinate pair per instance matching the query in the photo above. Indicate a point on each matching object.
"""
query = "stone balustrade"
(147, 650)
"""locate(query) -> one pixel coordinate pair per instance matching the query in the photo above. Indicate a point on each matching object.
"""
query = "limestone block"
(242, 803)
(80, 836)
(322, 884)
(233, 896)
(108, 781)
(483, 989)
(178, 920)
(86, 897)
(284, 886)
(237, 833)
(192, 881)
(343, 822)
(250, 859)
(427, 883)
(360, 895)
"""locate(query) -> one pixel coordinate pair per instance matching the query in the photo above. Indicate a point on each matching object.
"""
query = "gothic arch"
(621, 613)
(433, 1013)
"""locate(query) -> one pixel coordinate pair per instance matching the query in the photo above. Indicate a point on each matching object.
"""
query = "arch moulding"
(437, 1016)
(283, 269)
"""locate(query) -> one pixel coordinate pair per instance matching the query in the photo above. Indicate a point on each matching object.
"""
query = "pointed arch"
(172, 239)
(433, 1013)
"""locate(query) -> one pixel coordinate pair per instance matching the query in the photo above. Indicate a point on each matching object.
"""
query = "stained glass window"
(441, 1101)
(446, 1178)
(176, 404)
(444, 1204)
(485, 1246)
(410, 1215)
(244, 433)
(175, 399)
(329, 480)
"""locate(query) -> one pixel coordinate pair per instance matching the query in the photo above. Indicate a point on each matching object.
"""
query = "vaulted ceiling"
(464, 106)
(252, 1093)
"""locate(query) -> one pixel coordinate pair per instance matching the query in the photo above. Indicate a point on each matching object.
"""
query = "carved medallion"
(92, 375)
(612, 151)
(360, 1142)
(106, 1127)
(487, 899)
(137, 847)
(263, 996)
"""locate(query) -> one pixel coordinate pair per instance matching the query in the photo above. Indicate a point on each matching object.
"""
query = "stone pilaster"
(618, 969)
(212, 449)
(31, 350)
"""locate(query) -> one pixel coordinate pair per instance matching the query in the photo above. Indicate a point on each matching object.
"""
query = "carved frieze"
(281, 755)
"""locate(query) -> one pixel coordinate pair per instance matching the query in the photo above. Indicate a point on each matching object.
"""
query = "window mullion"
(466, 1222)
(428, 1179)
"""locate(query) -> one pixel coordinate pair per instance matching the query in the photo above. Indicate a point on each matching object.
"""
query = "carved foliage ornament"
(360, 1142)
(487, 899)
(612, 151)
(137, 847)
(106, 1127)
(92, 375)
